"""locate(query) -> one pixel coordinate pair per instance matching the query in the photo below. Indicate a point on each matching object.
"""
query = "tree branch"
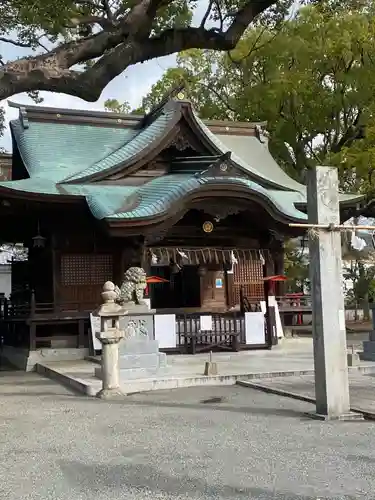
(244, 17)
(123, 45)
(15, 42)
(207, 13)
(85, 20)
(353, 132)
(107, 10)
(219, 14)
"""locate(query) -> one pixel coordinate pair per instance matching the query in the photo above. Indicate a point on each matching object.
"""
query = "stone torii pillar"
(329, 332)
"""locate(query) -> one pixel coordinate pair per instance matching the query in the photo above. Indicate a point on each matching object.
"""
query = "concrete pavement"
(221, 443)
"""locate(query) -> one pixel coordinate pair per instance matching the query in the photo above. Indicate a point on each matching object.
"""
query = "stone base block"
(138, 345)
(139, 358)
(345, 417)
(210, 368)
(353, 359)
(153, 361)
(139, 366)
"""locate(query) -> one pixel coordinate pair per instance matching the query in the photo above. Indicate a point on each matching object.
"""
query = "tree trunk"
(366, 308)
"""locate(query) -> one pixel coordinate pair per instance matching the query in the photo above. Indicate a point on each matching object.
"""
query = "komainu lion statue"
(132, 287)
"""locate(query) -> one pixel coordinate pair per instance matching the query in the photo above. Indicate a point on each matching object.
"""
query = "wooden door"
(82, 277)
(248, 274)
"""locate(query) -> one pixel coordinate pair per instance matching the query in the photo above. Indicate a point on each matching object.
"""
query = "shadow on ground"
(147, 478)
(253, 410)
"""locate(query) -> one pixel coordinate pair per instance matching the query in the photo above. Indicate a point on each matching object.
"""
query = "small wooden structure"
(202, 205)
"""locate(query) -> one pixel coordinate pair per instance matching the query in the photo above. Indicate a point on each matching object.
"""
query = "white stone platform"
(293, 357)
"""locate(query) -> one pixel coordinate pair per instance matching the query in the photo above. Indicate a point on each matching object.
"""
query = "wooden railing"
(228, 332)
(302, 301)
(30, 308)
(31, 324)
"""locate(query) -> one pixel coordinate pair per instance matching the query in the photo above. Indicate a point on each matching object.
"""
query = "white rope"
(333, 227)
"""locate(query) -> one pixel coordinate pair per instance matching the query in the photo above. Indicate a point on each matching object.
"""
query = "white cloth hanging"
(233, 258)
(261, 257)
(182, 254)
(357, 242)
(154, 258)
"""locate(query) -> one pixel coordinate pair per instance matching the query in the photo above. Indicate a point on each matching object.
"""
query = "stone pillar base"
(345, 417)
(110, 394)
(210, 368)
(353, 359)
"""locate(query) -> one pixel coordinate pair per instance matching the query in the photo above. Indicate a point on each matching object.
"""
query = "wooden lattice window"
(248, 274)
(86, 269)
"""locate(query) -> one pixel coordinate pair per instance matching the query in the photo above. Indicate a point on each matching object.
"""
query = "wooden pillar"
(132, 253)
(271, 336)
(118, 271)
(56, 272)
(278, 258)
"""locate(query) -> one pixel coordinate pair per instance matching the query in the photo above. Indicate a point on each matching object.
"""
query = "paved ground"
(352, 338)
(362, 388)
(221, 443)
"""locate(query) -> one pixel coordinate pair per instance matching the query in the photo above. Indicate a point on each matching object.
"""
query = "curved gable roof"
(249, 155)
(250, 151)
(144, 140)
(159, 195)
(61, 157)
(55, 151)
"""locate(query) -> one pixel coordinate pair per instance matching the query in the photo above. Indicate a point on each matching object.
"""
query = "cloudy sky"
(130, 86)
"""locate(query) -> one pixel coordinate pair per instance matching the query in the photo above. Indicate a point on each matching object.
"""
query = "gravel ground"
(198, 443)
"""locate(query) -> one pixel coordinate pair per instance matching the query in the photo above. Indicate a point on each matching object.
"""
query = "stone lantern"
(110, 336)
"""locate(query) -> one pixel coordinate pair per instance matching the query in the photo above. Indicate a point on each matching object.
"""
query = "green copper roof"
(61, 158)
(55, 151)
(34, 185)
(252, 157)
(256, 157)
(158, 195)
(139, 142)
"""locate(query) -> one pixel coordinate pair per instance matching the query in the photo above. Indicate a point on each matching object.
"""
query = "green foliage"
(29, 17)
(312, 81)
(296, 265)
(356, 163)
(116, 107)
(362, 276)
(63, 17)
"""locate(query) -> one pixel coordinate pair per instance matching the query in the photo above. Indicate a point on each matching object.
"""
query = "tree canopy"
(78, 46)
(312, 81)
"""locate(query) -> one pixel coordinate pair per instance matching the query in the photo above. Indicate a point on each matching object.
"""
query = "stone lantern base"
(139, 358)
(110, 394)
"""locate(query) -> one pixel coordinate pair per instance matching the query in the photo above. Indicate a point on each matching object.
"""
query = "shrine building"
(202, 204)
